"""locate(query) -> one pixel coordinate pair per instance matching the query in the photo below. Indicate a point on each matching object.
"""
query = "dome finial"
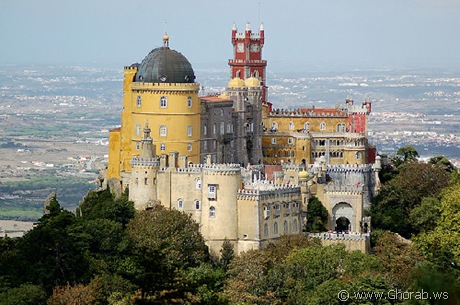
(166, 40)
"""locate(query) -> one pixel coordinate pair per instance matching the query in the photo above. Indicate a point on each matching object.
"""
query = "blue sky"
(302, 35)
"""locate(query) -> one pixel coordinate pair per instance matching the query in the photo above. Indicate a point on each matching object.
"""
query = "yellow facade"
(173, 114)
(294, 137)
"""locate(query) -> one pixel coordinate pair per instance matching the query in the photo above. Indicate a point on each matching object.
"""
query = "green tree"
(226, 254)
(101, 204)
(391, 208)
(26, 294)
(443, 162)
(442, 245)
(316, 216)
(398, 258)
(423, 217)
(165, 242)
(405, 154)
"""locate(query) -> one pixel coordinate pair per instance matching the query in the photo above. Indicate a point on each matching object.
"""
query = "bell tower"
(247, 56)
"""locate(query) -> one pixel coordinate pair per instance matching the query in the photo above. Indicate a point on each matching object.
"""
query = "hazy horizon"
(300, 35)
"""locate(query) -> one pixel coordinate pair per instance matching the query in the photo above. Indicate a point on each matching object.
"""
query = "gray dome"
(163, 65)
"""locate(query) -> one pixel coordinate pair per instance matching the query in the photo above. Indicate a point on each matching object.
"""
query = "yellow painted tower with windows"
(161, 90)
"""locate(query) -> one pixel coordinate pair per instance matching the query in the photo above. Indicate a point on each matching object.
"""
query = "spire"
(148, 149)
(248, 26)
(166, 40)
(234, 26)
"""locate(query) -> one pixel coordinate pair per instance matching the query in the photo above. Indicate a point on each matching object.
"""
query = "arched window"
(340, 127)
(189, 130)
(274, 126)
(275, 228)
(306, 126)
(162, 146)
(286, 227)
(265, 229)
(322, 126)
(222, 128)
(291, 126)
(214, 128)
(189, 146)
(189, 102)
(198, 184)
(139, 101)
(273, 140)
(238, 74)
(294, 225)
(163, 102)
(212, 212)
(358, 155)
(205, 129)
(256, 74)
(163, 131)
(197, 204)
(180, 203)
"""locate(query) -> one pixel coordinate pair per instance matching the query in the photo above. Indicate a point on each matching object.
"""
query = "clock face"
(254, 48)
(240, 48)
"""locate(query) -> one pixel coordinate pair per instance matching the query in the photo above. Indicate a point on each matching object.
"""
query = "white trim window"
(189, 102)
(322, 126)
(189, 130)
(163, 131)
(139, 101)
(212, 191)
(138, 129)
(291, 126)
(273, 140)
(163, 147)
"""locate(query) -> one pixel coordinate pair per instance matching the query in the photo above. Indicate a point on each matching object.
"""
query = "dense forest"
(108, 253)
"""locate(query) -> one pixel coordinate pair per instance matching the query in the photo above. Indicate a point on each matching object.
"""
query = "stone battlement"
(356, 168)
(265, 189)
(137, 161)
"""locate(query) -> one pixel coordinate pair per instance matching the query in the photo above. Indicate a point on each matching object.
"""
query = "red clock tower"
(247, 56)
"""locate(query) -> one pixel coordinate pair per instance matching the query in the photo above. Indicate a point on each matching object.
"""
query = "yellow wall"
(177, 116)
(114, 154)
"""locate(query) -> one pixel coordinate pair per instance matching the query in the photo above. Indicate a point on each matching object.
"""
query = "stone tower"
(220, 219)
(143, 189)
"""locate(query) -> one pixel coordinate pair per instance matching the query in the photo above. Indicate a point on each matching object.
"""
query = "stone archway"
(342, 224)
(343, 216)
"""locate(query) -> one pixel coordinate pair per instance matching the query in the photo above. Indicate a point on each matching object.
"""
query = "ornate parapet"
(307, 113)
(340, 236)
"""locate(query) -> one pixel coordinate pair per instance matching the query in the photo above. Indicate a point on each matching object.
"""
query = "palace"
(243, 170)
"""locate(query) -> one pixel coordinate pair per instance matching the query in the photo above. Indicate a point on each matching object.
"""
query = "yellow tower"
(160, 90)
